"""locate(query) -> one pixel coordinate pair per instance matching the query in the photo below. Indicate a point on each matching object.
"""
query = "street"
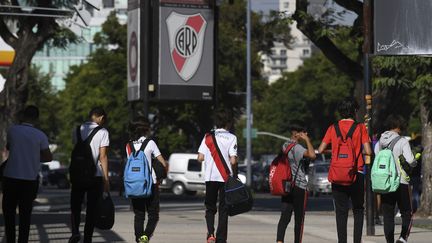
(182, 220)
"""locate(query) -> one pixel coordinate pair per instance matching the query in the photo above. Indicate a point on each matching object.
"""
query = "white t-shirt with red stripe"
(149, 150)
(227, 143)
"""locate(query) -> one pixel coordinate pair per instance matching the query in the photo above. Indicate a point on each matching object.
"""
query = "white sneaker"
(398, 215)
(401, 240)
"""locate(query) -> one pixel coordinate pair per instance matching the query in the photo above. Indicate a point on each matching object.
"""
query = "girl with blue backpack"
(139, 173)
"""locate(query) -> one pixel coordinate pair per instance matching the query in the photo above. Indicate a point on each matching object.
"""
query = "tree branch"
(351, 5)
(6, 35)
(311, 28)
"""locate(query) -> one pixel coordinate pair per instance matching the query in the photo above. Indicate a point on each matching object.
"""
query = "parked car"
(260, 173)
(43, 174)
(59, 177)
(115, 173)
(186, 175)
(318, 182)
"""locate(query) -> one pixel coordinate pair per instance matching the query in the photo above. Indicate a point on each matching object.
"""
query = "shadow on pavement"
(55, 227)
(266, 202)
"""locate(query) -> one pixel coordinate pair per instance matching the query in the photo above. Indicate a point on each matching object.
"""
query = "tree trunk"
(426, 197)
(14, 95)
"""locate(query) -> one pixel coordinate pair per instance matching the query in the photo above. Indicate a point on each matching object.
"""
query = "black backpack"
(83, 167)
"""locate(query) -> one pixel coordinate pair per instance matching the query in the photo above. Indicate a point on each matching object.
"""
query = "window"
(108, 3)
(306, 52)
(194, 165)
(283, 52)
(286, 4)
(283, 62)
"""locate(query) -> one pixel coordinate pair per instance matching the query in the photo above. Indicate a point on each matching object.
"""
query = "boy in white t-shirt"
(139, 130)
(100, 183)
(227, 143)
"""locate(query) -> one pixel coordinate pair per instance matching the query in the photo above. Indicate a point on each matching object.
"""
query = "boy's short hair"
(138, 127)
(223, 118)
(347, 108)
(31, 112)
(395, 121)
(297, 127)
(98, 112)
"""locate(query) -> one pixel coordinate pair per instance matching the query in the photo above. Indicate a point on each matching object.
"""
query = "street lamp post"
(370, 199)
(248, 96)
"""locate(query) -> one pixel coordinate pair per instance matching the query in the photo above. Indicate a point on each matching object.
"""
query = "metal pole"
(370, 198)
(248, 96)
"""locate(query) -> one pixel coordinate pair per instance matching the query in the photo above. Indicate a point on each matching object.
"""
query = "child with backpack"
(297, 198)
(398, 191)
(140, 180)
(347, 138)
(88, 172)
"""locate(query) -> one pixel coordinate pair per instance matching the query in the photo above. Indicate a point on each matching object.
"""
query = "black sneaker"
(75, 238)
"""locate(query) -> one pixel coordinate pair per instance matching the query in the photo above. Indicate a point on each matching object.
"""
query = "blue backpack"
(138, 180)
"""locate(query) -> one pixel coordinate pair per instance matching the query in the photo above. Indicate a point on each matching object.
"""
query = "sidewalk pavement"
(184, 222)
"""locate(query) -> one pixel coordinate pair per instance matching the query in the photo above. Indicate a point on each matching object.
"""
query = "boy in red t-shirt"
(342, 193)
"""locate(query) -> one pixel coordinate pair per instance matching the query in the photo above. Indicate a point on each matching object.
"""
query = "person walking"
(227, 143)
(28, 147)
(139, 131)
(346, 169)
(297, 199)
(93, 134)
(402, 196)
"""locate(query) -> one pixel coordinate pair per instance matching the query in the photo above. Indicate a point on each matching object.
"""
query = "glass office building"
(57, 61)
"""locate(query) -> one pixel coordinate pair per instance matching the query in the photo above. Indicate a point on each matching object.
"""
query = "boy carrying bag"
(238, 197)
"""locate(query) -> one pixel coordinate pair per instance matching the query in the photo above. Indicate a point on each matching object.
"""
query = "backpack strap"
(350, 131)
(338, 131)
(142, 148)
(92, 134)
(210, 140)
(289, 148)
(78, 134)
(394, 142)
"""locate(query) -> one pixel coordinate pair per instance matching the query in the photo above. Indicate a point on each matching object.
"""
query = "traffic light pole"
(370, 198)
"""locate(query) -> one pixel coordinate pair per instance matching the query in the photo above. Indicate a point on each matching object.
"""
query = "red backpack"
(343, 166)
(280, 173)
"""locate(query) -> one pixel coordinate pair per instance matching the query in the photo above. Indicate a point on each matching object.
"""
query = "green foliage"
(309, 95)
(100, 82)
(42, 95)
(411, 75)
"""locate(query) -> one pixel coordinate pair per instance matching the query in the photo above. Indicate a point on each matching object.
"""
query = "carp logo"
(186, 39)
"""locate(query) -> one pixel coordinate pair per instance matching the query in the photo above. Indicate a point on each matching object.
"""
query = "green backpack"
(384, 175)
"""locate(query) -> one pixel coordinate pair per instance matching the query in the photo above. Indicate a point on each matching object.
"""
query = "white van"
(186, 175)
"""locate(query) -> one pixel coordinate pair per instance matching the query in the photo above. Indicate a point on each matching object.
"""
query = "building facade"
(57, 61)
(288, 59)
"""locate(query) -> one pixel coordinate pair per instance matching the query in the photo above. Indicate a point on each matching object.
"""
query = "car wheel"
(178, 188)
